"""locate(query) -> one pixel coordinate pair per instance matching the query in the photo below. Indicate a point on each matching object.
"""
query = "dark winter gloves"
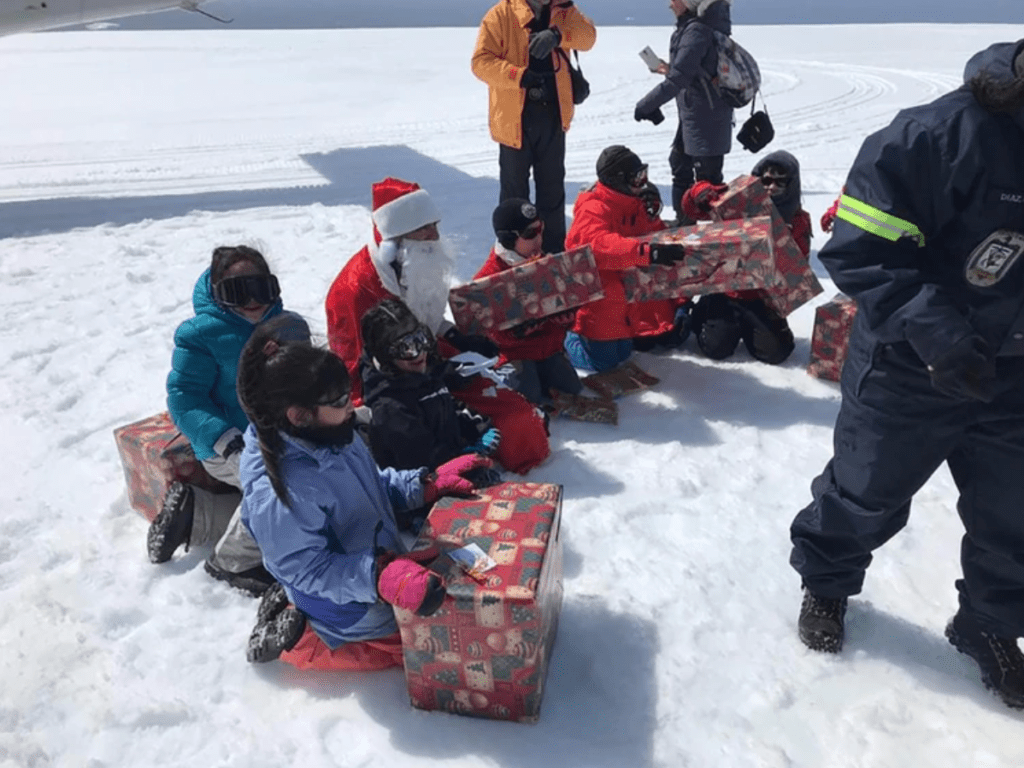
(544, 42)
(651, 196)
(466, 342)
(404, 583)
(700, 197)
(655, 117)
(965, 371)
(450, 478)
(664, 253)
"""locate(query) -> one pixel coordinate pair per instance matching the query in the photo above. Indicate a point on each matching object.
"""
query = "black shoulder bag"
(757, 132)
(580, 86)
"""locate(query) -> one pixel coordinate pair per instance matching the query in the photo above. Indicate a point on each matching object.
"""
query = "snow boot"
(1000, 659)
(254, 581)
(821, 622)
(278, 627)
(173, 525)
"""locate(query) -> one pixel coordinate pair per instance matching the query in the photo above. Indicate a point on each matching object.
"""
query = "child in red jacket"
(534, 348)
(720, 320)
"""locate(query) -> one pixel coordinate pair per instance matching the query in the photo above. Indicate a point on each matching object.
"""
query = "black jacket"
(416, 421)
(956, 171)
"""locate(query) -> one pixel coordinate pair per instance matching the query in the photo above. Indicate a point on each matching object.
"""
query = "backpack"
(738, 77)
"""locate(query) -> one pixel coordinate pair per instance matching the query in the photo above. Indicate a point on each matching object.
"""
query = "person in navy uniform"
(928, 239)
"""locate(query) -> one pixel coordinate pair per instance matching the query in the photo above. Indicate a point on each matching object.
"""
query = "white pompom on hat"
(401, 207)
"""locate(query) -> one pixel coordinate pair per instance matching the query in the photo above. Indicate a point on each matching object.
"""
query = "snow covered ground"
(126, 157)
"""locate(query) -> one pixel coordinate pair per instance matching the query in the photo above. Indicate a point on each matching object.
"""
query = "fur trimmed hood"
(699, 7)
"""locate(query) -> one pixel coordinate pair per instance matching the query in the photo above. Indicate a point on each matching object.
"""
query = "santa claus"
(409, 260)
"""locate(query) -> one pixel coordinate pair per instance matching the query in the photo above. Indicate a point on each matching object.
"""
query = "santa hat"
(698, 7)
(400, 207)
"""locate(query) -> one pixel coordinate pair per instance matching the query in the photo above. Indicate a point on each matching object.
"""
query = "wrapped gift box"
(830, 342)
(154, 454)
(485, 652)
(721, 256)
(745, 199)
(530, 291)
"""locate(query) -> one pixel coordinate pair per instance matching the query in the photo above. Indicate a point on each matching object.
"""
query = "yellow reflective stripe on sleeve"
(877, 222)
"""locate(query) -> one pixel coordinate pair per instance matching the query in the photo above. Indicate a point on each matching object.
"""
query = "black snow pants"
(543, 152)
(893, 431)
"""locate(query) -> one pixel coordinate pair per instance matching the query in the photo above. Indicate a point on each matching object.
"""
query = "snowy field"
(125, 157)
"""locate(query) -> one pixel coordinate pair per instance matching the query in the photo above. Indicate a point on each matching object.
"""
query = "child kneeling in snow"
(323, 514)
(416, 421)
(720, 320)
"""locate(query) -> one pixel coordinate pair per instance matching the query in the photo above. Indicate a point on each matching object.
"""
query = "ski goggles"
(532, 231)
(411, 345)
(247, 290)
(639, 178)
(781, 182)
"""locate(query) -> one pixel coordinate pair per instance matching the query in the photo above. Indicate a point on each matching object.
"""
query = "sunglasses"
(411, 345)
(246, 290)
(532, 231)
(338, 402)
(775, 181)
(639, 178)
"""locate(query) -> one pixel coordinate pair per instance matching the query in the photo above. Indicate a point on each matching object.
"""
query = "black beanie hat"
(616, 164)
(510, 218)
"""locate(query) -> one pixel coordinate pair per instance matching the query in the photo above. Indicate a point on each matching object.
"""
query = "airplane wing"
(37, 15)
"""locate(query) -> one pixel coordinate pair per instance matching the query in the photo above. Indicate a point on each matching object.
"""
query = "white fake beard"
(427, 267)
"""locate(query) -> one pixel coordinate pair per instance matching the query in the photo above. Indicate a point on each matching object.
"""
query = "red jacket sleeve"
(800, 227)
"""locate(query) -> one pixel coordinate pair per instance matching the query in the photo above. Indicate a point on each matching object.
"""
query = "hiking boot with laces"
(1000, 659)
(821, 622)
(173, 525)
(279, 626)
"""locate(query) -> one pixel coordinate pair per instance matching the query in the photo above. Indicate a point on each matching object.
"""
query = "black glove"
(666, 253)
(544, 42)
(531, 79)
(235, 446)
(965, 370)
(655, 117)
(651, 196)
(471, 342)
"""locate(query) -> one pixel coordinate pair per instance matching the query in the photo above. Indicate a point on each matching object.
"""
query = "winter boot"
(278, 627)
(173, 525)
(254, 581)
(1000, 659)
(821, 622)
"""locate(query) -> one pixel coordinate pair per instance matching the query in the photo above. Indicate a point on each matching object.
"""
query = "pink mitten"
(411, 586)
(449, 478)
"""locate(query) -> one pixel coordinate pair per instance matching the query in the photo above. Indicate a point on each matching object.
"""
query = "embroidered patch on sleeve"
(990, 261)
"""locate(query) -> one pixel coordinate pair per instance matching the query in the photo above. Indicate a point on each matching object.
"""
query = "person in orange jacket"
(720, 320)
(521, 53)
(534, 348)
(613, 216)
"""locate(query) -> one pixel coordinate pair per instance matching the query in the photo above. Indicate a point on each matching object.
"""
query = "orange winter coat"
(613, 224)
(501, 56)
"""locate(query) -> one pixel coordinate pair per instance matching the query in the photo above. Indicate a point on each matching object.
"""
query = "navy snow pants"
(893, 431)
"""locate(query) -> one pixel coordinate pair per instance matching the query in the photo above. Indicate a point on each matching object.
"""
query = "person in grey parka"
(704, 135)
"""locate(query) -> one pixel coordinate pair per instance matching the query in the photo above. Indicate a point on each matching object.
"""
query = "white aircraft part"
(36, 15)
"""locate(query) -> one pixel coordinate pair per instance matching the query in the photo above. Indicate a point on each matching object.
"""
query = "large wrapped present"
(154, 454)
(485, 652)
(530, 291)
(830, 342)
(746, 198)
(730, 255)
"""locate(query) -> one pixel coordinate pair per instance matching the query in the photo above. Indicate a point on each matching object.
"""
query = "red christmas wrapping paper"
(745, 199)
(485, 652)
(154, 454)
(830, 341)
(530, 291)
(733, 252)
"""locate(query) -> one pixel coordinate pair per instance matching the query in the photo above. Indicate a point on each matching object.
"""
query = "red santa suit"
(400, 207)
